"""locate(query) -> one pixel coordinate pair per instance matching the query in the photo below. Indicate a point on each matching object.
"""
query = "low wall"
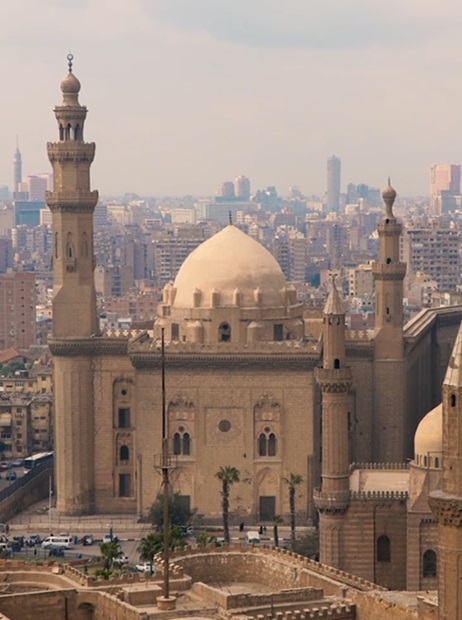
(234, 601)
(26, 491)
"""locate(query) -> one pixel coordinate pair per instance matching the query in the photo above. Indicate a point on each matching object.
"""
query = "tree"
(178, 511)
(110, 551)
(227, 475)
(154, 543)
(277, 521)
(293, 480)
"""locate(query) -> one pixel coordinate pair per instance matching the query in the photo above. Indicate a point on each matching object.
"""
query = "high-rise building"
(242, 188)
(444, 188)
(333, 183)
(226, 190)
(17, 168)
(17, 318)
(433, 250)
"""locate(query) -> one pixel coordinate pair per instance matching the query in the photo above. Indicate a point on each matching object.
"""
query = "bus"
(35, 459)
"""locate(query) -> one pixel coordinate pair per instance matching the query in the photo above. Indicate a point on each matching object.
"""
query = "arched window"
(271, 444)
(177, 443)
(61, 133)
(262, 444)
(267, 443)
(68, 132)
(124, 453)
(383, 549)
(69, 248)
(77, 132)
(453, 400)
(336, 363)
(425, 461)
(429, 563)
(182, 442)
(224, 332)
(388, 261)
(186, 444)
(437, 462)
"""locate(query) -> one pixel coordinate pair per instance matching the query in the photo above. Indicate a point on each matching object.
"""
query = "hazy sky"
(183, 94)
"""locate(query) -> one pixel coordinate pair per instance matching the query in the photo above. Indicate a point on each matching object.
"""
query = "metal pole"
(165, 481)
(49, 502)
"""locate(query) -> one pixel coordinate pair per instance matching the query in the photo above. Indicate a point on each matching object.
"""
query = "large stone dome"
(230, 266)
(428, 439)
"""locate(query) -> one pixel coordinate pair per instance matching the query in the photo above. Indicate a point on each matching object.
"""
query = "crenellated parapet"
(379, 495)
(388, 466)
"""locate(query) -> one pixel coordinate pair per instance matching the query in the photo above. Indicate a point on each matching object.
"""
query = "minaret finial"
(230, 214)
(389, 181)
(70, 58)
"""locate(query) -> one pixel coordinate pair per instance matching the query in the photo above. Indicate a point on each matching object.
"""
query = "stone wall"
(30, 493)
(233, 601)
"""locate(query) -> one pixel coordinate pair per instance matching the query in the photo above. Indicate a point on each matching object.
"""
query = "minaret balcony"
(70, 150)
(329, 502)
(334, 379)
(73, 201)
(389, 227)
(447, 509)
(389, 271)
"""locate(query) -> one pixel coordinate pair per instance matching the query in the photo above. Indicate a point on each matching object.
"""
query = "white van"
(57, 542)
(253, 538)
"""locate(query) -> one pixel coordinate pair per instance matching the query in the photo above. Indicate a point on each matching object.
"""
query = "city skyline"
(226, 91)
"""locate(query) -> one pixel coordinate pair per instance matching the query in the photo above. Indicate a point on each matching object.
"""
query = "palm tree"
(293, 480)
(149, 546)
(110, 551)
(228, 476)
(154, 542)
(277, 521)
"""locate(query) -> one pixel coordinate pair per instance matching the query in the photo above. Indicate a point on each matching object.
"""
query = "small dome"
(428, 438)
(228, 261)
(389, 193)
(70, 85)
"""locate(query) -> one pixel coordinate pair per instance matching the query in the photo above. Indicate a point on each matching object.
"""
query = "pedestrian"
(7, 529)
(241, 526)
(264, 530)
(260, 530)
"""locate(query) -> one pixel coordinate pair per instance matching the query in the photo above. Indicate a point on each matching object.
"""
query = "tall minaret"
(334, 379)
(74, 303)
(446, 504)
(72, 204)
(17, 167)
(391, 441)
(389, 274)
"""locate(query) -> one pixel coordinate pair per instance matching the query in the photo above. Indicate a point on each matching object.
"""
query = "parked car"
(145, 567)
(122, 559)
(87, 540)
(188, 530)
(18, 463)
(11, 475)
(33, 540)
(56, 553)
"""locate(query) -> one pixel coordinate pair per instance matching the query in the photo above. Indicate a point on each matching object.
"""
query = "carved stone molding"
(331, 503)
(446, 509)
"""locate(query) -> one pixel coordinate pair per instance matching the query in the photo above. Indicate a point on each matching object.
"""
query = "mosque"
(247, 385)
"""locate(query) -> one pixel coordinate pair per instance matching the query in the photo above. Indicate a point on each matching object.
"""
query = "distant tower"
(242, 188)
(446, 504)
(390, 443)
(333, 184)
(334, 379)
(226, 190)
(74, 302)
(17, 168)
